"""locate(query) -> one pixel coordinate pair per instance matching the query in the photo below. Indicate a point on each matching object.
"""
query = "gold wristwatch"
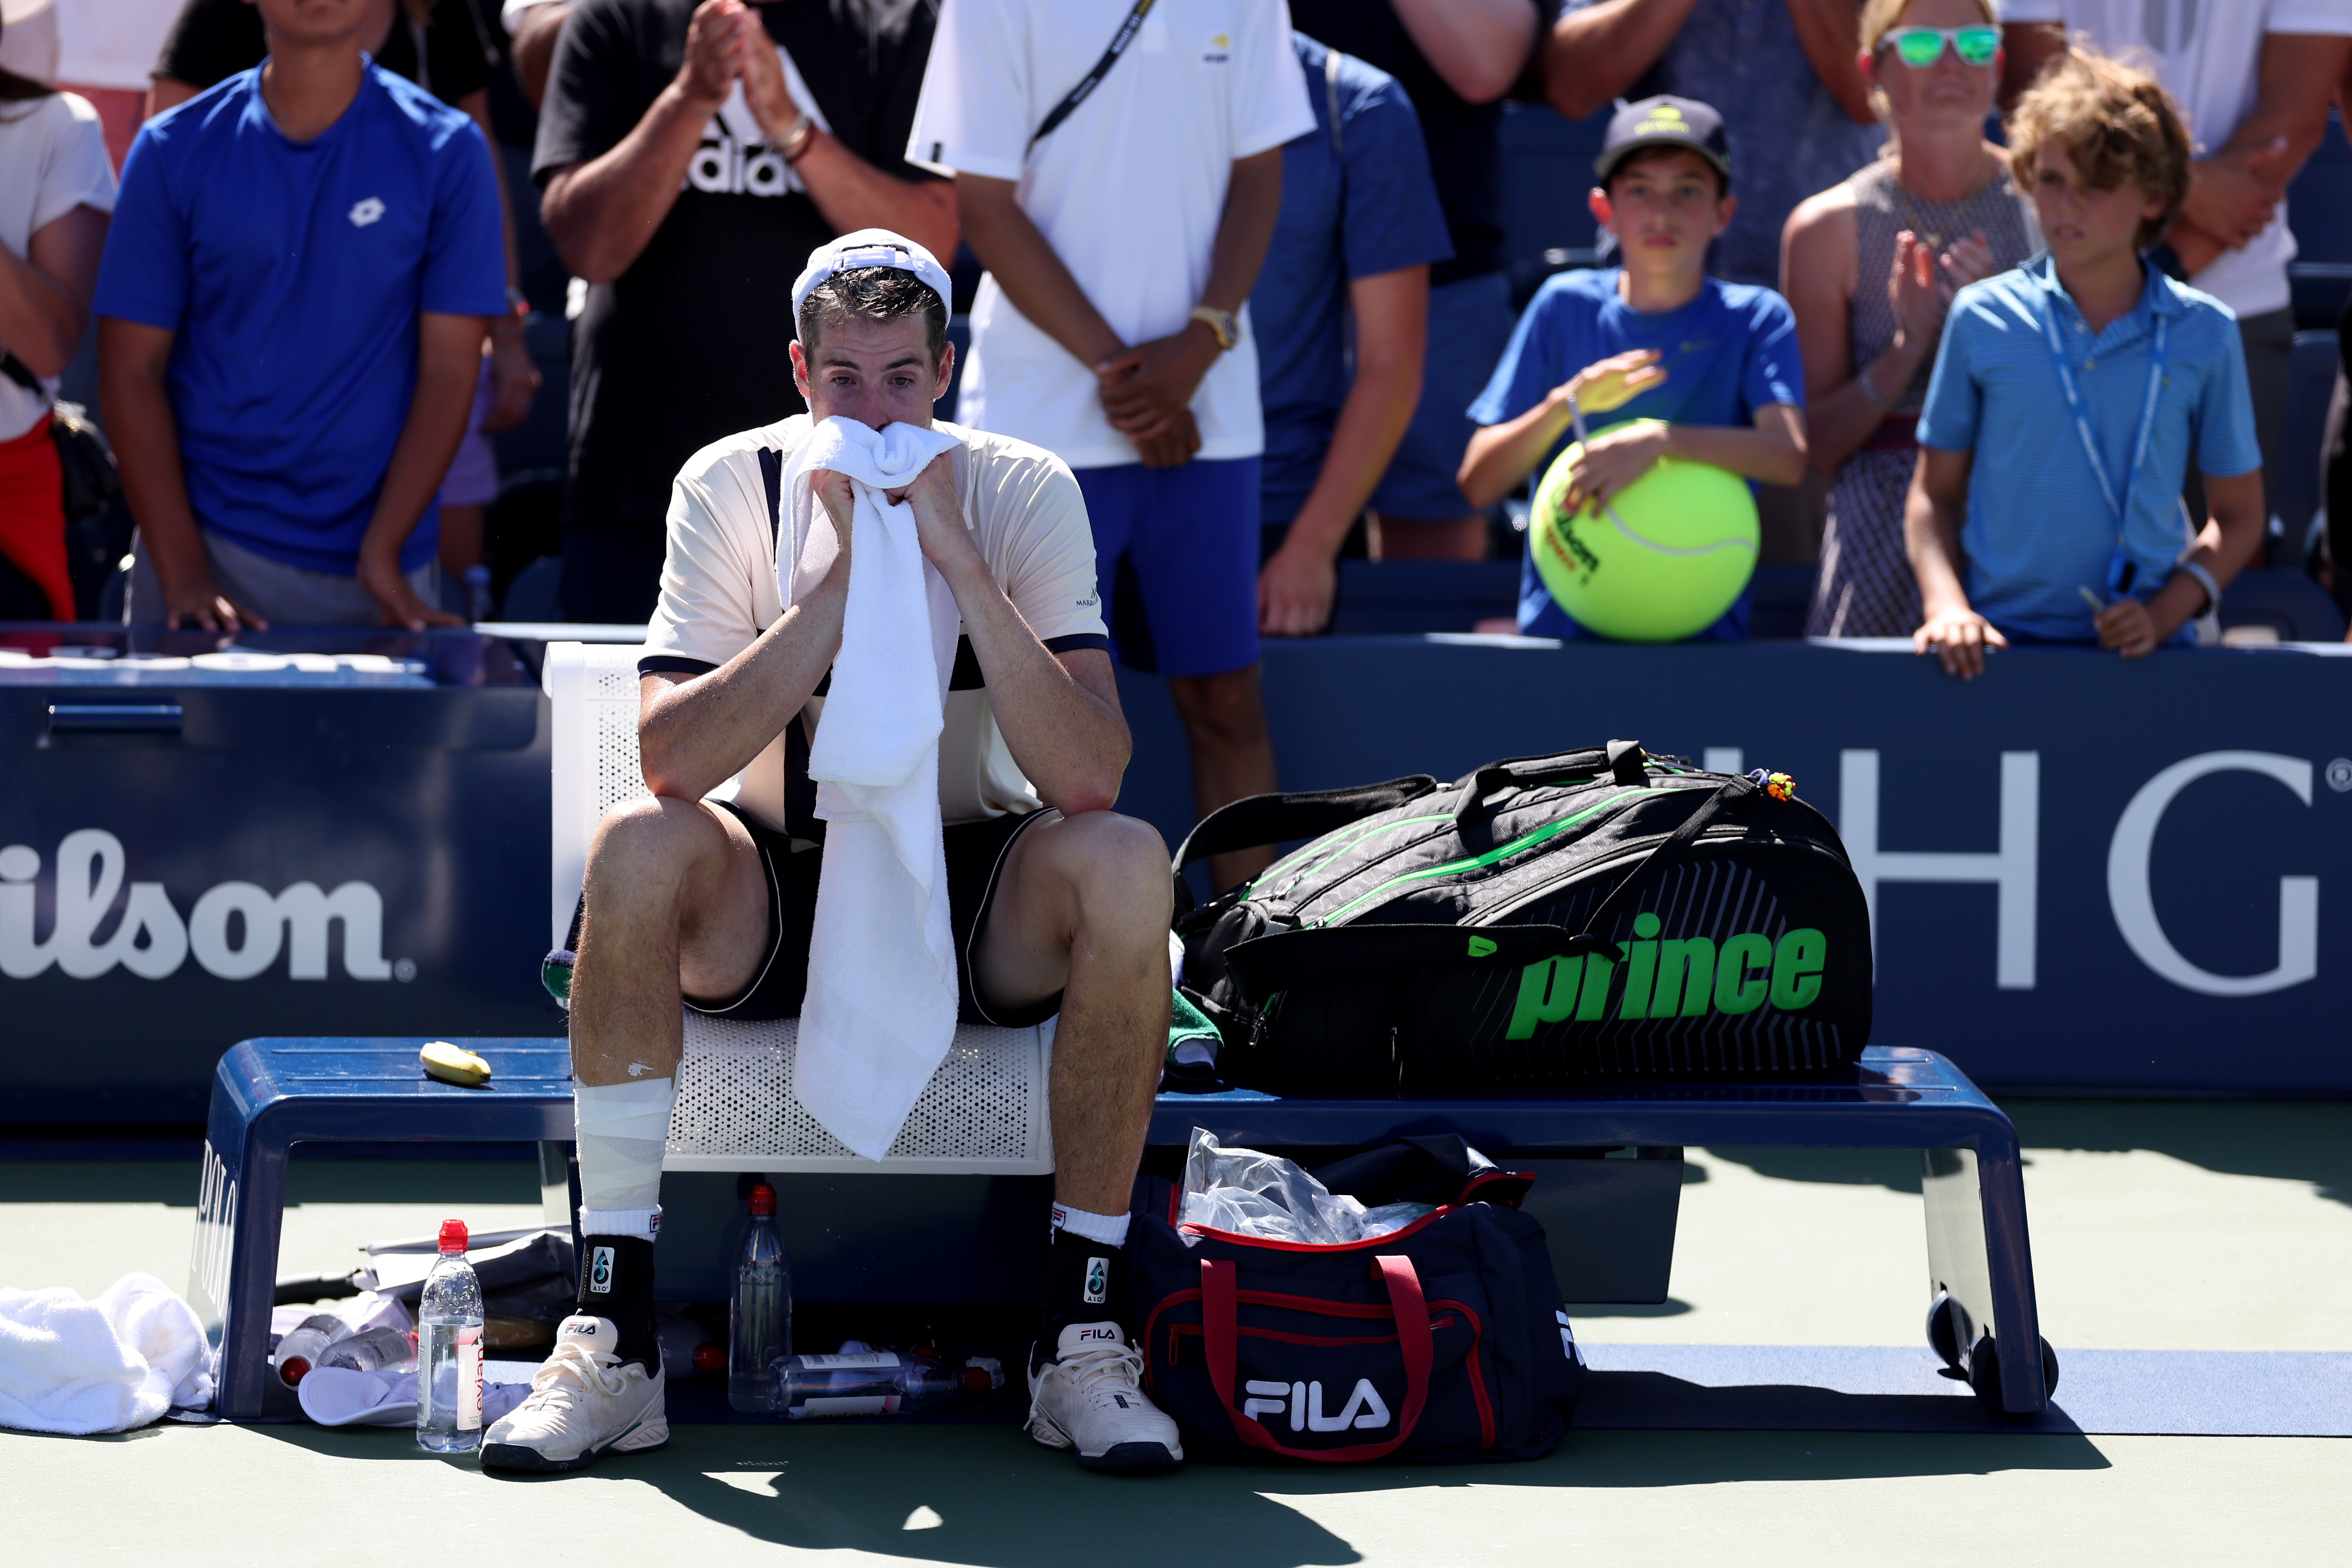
(1220, 322)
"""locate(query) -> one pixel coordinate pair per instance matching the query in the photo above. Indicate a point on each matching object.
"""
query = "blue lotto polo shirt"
(1728, 352)
(2039, 528)
(292, 274)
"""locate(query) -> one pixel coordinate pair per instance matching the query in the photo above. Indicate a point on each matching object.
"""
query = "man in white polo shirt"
(2253, 78)
(1055, 905)
(1118, 168)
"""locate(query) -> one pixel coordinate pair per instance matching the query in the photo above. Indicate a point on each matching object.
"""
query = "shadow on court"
(2286, 1140)
(987, 1497)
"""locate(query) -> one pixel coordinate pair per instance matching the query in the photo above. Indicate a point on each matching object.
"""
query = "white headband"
(871, 248)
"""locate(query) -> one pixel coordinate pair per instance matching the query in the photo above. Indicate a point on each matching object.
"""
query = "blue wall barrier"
(2084, 874)
(2087, 875)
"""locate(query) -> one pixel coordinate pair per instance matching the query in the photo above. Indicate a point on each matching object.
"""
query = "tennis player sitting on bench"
(1058, 904)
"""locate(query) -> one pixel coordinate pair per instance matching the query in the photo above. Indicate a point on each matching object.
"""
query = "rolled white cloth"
(880, 1010)
(76, 1367)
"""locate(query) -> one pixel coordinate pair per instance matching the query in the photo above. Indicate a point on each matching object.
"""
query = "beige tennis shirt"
(718, 593)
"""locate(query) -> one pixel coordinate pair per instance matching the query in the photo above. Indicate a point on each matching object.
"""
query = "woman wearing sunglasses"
(1870, 266)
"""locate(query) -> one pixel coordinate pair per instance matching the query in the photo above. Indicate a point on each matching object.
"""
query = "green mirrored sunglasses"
(1923, 46)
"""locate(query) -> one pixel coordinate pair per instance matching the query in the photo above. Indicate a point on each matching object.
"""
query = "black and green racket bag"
(1600, 913)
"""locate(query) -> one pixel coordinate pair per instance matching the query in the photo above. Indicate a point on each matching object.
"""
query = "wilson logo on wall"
(236, 930)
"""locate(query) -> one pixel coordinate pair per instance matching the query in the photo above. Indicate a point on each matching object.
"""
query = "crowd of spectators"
(1243, 272)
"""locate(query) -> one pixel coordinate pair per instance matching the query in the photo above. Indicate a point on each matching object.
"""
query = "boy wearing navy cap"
(1655, 338)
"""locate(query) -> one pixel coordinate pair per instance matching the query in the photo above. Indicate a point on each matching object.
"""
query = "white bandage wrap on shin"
(622, 1129)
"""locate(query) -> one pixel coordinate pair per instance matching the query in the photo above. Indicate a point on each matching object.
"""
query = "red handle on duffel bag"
(1221, 1334)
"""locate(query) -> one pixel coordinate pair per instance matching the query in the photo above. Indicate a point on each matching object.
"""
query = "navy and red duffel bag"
(1444, 1341)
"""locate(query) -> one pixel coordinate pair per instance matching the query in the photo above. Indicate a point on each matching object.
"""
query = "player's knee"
(646, 843)
(1117, 863)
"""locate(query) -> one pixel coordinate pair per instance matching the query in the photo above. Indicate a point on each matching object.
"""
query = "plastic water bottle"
(449, 1350)
(477, 592)
(378, 1349)
(874, 1382)
(299, 1350)
(760, 1319)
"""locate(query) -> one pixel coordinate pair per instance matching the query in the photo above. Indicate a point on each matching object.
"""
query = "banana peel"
(450, 1064)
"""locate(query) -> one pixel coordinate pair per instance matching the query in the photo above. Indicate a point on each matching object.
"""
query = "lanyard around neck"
(2118, 503)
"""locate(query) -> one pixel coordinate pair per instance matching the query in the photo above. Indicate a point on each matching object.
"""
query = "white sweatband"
(871, 248)
(645, 1222)
(1110, 1229)
(622, 1129)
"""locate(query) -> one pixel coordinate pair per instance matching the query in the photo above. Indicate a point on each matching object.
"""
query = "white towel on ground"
(880, 1011)
(76, 1367)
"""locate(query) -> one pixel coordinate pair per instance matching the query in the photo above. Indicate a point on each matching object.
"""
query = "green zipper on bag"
(1478, 862)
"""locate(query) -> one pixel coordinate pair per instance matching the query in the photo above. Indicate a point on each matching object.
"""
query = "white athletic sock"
(1110, 1229)
(622, 1129)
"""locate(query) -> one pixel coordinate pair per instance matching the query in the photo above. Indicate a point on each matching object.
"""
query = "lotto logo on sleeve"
(600, 1271)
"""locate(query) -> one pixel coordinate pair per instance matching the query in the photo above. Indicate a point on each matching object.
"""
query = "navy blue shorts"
(1176, 552)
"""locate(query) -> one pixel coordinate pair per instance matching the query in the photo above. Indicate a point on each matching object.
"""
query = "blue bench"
(269, 1094)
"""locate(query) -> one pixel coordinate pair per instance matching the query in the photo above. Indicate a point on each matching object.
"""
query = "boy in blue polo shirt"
(2082, 383)
(292, 309)
(1656, 338)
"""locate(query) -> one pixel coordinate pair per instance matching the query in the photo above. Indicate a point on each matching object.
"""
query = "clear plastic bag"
(1250, 1193)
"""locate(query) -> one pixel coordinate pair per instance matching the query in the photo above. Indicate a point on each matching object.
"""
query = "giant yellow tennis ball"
(1677, 554)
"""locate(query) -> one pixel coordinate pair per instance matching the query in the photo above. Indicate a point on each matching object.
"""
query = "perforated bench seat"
(270, 1094)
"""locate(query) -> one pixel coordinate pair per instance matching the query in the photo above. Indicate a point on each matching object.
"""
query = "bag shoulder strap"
(1093, 78)
(1259, 819)
(20, 373)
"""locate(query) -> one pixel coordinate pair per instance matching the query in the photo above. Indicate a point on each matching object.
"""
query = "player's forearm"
(1774, 454)
(137, 404)
(603, 214)
(1591, 56)
(694, 734)
(853, 193)
(1029, 272)
(428, 437)
(1071, 745)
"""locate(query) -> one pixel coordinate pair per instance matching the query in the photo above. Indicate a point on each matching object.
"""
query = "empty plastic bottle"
(378, 1349)
(299, 1351)
(760, 1318)
(449, 1350)
(874, 1382)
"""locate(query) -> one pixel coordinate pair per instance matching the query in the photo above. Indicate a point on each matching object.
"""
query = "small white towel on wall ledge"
(77, 1367)
(880, 1011)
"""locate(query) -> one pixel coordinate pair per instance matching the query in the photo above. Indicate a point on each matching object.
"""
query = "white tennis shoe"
(1090, 1398)
(582, 1402)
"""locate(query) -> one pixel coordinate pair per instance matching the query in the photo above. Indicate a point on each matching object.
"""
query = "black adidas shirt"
(691, 344)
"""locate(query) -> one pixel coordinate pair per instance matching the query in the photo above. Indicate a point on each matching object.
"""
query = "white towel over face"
(880, 1011)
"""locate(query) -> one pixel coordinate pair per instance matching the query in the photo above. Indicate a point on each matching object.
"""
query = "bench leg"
(1982, 1319)
(233, 1270)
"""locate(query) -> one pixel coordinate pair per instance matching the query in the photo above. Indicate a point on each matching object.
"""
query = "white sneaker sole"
(1120, 1459)
(643, 1437)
